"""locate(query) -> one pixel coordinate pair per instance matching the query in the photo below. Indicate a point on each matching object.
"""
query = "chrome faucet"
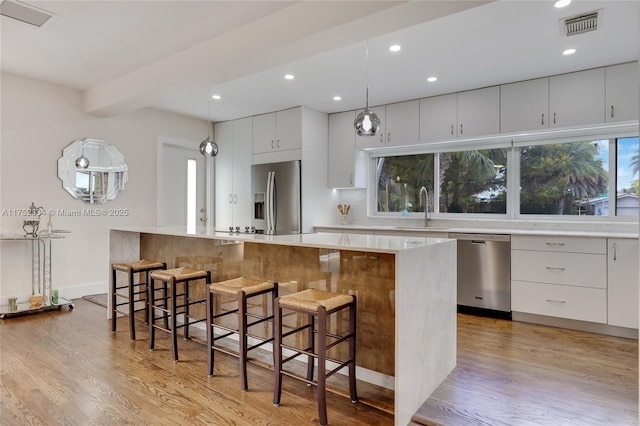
(426, 205)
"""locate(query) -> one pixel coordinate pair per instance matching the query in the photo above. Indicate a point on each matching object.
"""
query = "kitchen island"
(405, 286)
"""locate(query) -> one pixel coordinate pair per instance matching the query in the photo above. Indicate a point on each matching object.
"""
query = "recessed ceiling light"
(569, 52)
(289, 77)
(562, 3)
(431, 79)
(395, 48)
(216, 97)
(337, 98)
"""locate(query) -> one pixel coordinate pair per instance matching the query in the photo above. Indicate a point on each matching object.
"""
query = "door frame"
(161, 143)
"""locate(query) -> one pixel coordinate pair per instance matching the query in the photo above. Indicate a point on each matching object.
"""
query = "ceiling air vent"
(581, 24)
(24, 13)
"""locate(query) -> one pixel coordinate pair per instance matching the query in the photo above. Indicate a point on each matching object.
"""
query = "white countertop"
(339, 241)
(473, 230)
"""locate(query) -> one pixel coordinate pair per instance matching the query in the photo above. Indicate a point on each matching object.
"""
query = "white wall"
(38, 120)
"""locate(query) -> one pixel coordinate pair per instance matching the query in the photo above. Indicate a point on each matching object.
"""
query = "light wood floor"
(67, 368)
(513, 373)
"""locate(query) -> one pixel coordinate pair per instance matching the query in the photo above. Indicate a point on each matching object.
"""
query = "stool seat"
(247, 285)
(179, 274)
(311, 300)
(241, 288)
(136, 293)
(138, 265)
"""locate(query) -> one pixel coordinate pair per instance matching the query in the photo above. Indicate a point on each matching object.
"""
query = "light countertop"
(339, 241)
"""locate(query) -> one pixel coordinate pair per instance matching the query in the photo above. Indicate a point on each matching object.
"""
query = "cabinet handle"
(351, 178)
(615, 251)
(230, 198)
(381, 137)
(389, 137)
(555, 244)
(452, 130)
(611, 111)
(271, 144)
(555, 268)
(235, 198)
(554, 118)
(556, 301)
(461, 129)
(542, 119)
(278, 143)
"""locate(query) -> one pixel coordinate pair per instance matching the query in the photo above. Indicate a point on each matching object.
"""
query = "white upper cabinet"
(439, 117)
(622, 270)
(577, 98)
(232, 173)
(346, 168)
(621, 92)
(460, 115)
(277, 131)
(524, 105)
(479, 112)
(377, 141)
(402, 123)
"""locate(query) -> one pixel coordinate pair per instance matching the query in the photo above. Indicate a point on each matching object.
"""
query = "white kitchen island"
(406, 290)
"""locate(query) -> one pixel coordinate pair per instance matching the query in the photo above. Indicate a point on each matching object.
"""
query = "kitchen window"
(399, 180)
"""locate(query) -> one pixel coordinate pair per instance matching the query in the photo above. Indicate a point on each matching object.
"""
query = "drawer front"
(576, 269)
(578, 303)
(559, 244)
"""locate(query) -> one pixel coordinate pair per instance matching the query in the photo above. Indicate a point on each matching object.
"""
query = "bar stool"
(316, 304)
(242, 289)
(173, 304)
(134, 290)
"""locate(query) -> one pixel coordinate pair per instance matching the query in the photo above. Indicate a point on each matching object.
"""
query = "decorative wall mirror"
(93, 171)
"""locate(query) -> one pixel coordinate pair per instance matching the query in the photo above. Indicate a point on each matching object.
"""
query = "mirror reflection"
(92, 170)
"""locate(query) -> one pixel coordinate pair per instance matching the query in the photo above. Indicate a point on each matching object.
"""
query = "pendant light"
(208, 147)
(82, 162)
(367, 122)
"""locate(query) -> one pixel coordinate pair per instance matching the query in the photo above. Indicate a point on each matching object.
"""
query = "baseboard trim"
(591, 327)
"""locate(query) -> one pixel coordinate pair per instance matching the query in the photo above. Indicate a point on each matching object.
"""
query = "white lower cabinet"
(622, 270)
(578, 303)
(564, 277)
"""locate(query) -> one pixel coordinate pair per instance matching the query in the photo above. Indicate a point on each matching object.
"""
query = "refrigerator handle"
(270, 202)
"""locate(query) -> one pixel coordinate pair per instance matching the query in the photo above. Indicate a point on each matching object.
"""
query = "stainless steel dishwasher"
(484, 271)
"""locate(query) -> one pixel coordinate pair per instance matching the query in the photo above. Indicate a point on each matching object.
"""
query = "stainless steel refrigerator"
(276, 197)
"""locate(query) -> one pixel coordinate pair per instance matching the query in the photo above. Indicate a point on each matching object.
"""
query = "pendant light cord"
(367, 74)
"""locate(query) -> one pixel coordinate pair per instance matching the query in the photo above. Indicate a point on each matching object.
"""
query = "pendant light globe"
(208, 147)
(367, 122)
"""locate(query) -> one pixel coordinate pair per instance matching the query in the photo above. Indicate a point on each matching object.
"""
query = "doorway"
(182, 185)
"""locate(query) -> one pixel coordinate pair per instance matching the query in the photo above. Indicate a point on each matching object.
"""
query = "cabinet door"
(622, 269)
(344, 170)
(577, 98)
(288, 129)
(621, 91)
(402, 125)
(224, 175)
(479, 112)
(438, 118)
(242, 202)
(264, 133)
(524, 105)
(377, 141)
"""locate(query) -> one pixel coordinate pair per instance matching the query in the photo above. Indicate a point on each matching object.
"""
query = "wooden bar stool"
(136, 292)
(173, 304)
(317, 305)
(242, 289)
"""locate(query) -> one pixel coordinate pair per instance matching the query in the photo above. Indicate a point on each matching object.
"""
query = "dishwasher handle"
(480, 238)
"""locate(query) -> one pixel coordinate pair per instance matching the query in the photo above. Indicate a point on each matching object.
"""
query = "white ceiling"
(172, 55)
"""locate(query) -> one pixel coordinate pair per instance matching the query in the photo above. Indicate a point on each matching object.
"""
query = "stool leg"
(146, 299)
(352, 351)
(132, 322)
(277, 351)
(322, 374)
(186, 310)
(210, 332)
(174, 322)
(165, 304)
(242, 338)
(311, 345)
(152, 313)
(113, 299)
